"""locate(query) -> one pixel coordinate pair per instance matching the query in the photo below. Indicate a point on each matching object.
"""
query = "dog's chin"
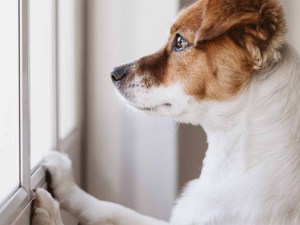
(157, 110)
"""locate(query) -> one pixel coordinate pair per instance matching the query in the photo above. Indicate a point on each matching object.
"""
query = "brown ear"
(259, 22)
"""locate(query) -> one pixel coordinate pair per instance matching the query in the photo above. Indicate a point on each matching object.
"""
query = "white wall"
(131, 159)
(292, 12)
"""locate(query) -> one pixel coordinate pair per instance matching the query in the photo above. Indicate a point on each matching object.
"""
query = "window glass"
(67, 68)
(41, 78)
(9, 98)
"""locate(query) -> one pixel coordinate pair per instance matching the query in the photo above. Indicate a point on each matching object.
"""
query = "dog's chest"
(196, 207)
(199, 206)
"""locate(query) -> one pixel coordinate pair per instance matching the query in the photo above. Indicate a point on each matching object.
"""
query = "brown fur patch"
(217, 71)
(155, 64)
(258, 25)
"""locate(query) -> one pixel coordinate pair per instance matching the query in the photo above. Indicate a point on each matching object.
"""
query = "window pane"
(41, 78)
(67, 67)
(9, 98)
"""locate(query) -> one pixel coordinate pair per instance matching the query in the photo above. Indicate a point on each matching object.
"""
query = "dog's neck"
(258, 130)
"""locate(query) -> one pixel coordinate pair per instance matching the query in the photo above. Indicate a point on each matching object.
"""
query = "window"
(67, 69)
(37, 95)
(41, 67)
(9, 98)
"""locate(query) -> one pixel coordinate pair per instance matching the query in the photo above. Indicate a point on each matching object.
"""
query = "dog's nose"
(119, 73)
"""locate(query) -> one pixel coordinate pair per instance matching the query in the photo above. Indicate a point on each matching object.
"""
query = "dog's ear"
(257, 25)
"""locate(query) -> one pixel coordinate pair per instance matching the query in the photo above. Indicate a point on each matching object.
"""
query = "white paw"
(61, 177)
(45, 209)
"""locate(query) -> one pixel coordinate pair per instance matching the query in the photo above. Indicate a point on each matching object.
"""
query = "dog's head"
(213, 50)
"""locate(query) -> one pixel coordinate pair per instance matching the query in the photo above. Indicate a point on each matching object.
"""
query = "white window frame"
(16, 209)
(23, 195)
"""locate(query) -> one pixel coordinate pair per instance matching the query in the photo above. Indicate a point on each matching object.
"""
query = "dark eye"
(179, 43)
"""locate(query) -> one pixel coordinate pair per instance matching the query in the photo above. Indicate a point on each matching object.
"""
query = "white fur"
(251, 169)
(137, 96)
(251, 173)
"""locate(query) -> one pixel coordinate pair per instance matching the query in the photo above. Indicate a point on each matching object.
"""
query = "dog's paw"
(59, 174)
(45, 209)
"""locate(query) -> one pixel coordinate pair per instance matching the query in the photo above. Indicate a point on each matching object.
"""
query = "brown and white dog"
(226, 67)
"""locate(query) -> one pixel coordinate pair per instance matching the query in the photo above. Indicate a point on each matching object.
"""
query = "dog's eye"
(179, 43)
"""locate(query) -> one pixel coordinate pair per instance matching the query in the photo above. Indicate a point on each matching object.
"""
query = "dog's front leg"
(83, 206)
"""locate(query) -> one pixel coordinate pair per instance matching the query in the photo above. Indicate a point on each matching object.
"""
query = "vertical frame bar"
(56, 141)
(78, 64)
(24, 95)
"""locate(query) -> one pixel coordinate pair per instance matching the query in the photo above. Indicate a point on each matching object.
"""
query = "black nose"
(120, 72)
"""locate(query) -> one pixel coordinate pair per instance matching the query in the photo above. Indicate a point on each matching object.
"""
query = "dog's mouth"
(153, 108)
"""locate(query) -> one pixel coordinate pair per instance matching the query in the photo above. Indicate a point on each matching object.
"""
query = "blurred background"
(57, 94)
(143, 161)
(134, 159)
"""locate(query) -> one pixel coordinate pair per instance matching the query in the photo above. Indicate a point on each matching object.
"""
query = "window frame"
(16, 208)
(21, 197)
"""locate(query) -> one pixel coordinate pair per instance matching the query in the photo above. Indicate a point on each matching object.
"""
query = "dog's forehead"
(188, 18)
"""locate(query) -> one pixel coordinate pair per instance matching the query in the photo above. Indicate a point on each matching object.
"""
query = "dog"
(227, 67)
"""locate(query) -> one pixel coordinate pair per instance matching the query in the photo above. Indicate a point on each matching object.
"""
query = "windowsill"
(38, 178)
(14, 206)
(19, 204)
(20, 200)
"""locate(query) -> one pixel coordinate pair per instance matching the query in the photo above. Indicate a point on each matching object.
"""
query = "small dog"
(226, 66)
